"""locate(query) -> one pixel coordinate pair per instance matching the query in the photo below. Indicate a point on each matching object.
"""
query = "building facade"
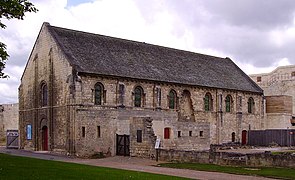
(278, 87)
(84, 93)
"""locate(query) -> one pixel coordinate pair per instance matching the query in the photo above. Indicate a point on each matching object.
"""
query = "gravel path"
(132, 163)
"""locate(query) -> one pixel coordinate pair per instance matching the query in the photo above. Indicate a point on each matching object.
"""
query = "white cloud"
(188, 25)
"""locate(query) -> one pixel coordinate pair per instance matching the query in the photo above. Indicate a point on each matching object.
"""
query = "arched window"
(208, 102)
(138, 96)
(233, 137)
(98, 93)
(228, 103)
(44, 94)
(172, 99)
(251, 105)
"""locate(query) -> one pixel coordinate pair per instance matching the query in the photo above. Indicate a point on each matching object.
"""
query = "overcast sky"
(258, 35)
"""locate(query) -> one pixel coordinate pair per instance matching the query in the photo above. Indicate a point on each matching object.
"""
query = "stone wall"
(278, 82)
(265, 159)
(8, 118)
(279, 112)
(144, 145)
(184, 156)
(48, 65)
(222, 124)
(279, 121)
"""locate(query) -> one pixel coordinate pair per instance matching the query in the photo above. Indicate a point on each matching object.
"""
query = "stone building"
(278, 87)
(84, 93)
(8, 119)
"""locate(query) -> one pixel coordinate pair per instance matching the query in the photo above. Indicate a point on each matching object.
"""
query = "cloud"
(257, 35)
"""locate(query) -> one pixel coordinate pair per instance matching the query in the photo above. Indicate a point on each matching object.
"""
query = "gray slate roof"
(103, 55)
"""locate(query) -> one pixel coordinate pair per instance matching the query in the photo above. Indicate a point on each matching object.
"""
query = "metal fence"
(282, 137)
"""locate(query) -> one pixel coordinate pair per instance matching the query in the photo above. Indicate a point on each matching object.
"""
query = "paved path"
(132, 163)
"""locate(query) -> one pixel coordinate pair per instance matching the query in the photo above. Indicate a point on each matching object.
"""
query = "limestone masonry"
(87, 94)
(278, 87)
(8, 118)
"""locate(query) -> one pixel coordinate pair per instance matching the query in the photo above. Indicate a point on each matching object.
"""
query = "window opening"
(250, 105)
(201, 133)
(83, 131)
(98, 131)
(44, 94)
(139, 136)
(98, 94)
(208, 102)
(172, 99)
(138, 93)
(228, 101)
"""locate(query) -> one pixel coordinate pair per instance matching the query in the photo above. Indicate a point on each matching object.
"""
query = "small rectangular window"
(83, 131)
(259, 79)
(166, 133)
(179, 133)
(293, 74)
(190, 133)
(201, 134)
(98, 131)
(139, 136)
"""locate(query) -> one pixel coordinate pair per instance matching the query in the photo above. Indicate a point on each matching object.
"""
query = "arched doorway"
(44, 138)
(244, 137)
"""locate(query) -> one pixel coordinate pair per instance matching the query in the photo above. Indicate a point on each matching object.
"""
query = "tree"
(10, 9)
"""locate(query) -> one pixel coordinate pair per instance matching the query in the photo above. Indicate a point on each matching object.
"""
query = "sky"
(257, 35)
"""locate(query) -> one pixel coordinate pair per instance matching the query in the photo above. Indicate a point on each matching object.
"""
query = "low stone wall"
(184, 156)
(229, 158)
(268, 159)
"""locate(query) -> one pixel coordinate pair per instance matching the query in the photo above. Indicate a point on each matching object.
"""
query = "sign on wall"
(157, 145)
(29, 132)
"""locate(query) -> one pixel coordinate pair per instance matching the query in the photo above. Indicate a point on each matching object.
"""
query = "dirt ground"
(132, 163)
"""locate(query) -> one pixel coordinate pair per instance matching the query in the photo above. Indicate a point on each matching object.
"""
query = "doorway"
(123, 145)
(44, 138)
(244, 137)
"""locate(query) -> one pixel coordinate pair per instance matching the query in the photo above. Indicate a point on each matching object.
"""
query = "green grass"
(283, 173)
(282, 152)
(15, 167)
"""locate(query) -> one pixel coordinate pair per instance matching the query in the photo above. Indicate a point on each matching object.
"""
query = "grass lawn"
(15, 167)
(283, 173)
(282, 152)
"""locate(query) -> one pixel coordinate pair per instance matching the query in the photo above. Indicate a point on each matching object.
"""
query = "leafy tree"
(10, 9)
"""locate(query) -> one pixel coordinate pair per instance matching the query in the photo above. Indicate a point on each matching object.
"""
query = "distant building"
(84, 93)
(278, 87)
(8, 118)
